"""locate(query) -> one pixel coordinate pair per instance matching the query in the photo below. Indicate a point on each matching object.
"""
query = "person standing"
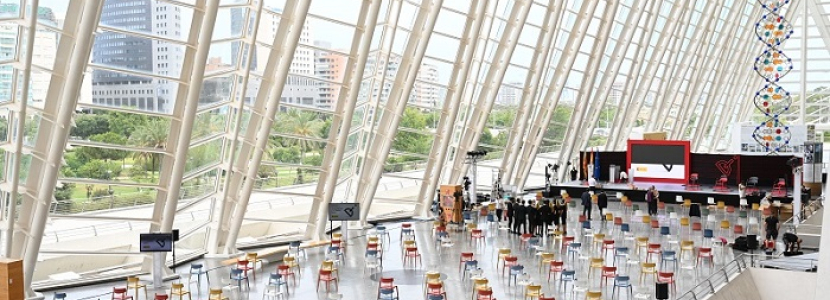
(651, 198)
(586, 204)
(773, 225)
(562, 208)
(546, 216)
(602, 203)
(520, 213)
(499, 209)
(511, 208)
(532, 220)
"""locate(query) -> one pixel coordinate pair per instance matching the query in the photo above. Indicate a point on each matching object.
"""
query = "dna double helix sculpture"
(772, 99)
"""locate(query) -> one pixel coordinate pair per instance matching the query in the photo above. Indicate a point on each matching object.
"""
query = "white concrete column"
(823, 278)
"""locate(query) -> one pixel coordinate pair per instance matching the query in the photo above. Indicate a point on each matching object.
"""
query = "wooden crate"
(11, 279)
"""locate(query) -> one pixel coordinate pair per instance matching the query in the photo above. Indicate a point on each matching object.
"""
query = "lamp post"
(109, 189)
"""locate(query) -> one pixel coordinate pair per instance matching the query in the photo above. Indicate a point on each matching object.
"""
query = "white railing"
(718, 279)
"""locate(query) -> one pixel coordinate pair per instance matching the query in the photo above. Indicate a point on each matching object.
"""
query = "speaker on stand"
(752, 245)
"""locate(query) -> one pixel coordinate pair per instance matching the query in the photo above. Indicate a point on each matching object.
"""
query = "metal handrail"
(716, 279)
(812, 206)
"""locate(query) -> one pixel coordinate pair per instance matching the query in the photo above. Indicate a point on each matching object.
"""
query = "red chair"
(667, 277)
(720, 185)
(582, 218)
(566, 240)
(285, 271)
(704, 253)
(436, 288)
(509, 261)
(547, 298)
(245, 265)
(739, 230)
(607, 272)
(525, 237)
(161, 297)
(328, 277)
(653, 248)
(556, 266)
(485, 295)
(465, 256)
(120, 294)
(387, 283)
(608, 245)
(412, 255)
(477, 235)
(694, 183)
(779, 188)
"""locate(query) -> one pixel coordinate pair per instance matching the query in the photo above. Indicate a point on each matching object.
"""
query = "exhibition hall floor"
(356, 282)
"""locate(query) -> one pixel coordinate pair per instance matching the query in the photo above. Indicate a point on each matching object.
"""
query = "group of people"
(587, 201)
(536, 216)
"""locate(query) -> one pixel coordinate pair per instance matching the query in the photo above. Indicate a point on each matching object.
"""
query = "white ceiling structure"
(583, 74)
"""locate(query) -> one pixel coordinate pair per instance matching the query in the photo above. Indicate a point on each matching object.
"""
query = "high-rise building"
(509, 95)
(424, 91)
(299, 88)
(45, 41)
(331, 67)
(124, 51)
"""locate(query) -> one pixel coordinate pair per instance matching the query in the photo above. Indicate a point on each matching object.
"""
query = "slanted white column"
(823, 278)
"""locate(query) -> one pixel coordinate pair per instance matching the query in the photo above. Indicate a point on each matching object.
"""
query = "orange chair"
(436, 288)
(694, 183)
(653, 249)
(608, 245)
(477, 235)
(327, 277)
(120, 294)
(465, 257)
(161, 297)
(565, 241)
(485, 294)
(509, 261)
(245, 265)
(705, 253)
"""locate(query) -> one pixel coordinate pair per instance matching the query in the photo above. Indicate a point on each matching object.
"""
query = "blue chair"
(621, 253)
(708, 234)
(238, 275)
(60, 296)
(435, 297)
(468, 266)
(276, 281)
(198, 270)
(623, 282)
(668, 256)
(625, 228)
(388, 294)
(407, 232)
(567, 276)
(533, 243)
(334, 253)
(515, 271)
(294, 248)
(574, 249)
(381, 230)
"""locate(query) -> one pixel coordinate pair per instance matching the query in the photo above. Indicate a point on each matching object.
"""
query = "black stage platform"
(668, 192)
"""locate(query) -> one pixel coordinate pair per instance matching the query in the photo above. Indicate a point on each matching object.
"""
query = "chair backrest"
(161, 297)
(599, 237)
(517, 269)
(648, 267)
(387, 281)
(724, 224)
(586, 225)
(687, 244)
(593, 295)
(195, 267)
(132, 280)
(621, 251)
(236, 272)
(215, 291)
(119, 290)
(697, 226)
(625, 227)
(622, 280)
(597, 262)
(618, 220)
(665, 275)
(694, 176)
(557, 263)
(177, 286)
(668, 254)
(665, 230)
(609, 270)
(60, 296)
(708, 233)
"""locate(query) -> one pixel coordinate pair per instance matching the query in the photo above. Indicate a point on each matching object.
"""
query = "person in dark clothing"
(510, 211)
(546, 216)
(573, 174)
(520, 213)
(772, 227)
(561, 210)
(586, 204)
(532, 220)
(602, 202)
(652, 196)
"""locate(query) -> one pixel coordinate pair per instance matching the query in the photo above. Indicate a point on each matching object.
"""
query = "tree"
(409, 141)
(99, 169)
(64, 191)
(90, 153)
(302, 124)
(152, 134)
(87, 125)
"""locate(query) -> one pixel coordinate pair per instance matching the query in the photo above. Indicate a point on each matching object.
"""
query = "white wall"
(741, 287)
(775, 284)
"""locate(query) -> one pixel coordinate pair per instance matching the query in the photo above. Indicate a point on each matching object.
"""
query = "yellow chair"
(216, 294)
(433, 277)
(648, 268)
(292, 263)
(503, 252)
(472, 226)
(533, 291)
(724, 227)
(336, 236)
(328, 265)
(374, 239)
(721, 205)
(596, 263)
(593, 295)
(177, 289)
(546, 258)
(641, 242)
(134, 283)
(407, 244)
(685, 246)
(596, 243)
(609, 217)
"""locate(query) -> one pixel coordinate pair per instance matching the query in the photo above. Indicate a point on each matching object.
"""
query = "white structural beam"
(384, 136)
(184, 112)
(62, 102)
(21, 103)
(452, 102)
(531, 90)
(551, 99)
(691, 61)
(576, 126)
(243, 175)
(633, 76)
(342, 120)
(609, 76)
(644, 83)
(732, 58)
(480, 110)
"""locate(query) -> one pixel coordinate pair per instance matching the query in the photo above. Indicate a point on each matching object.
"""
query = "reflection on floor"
(355, 281)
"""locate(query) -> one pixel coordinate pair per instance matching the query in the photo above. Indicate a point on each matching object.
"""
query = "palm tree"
(302, 124)
(152, 134)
